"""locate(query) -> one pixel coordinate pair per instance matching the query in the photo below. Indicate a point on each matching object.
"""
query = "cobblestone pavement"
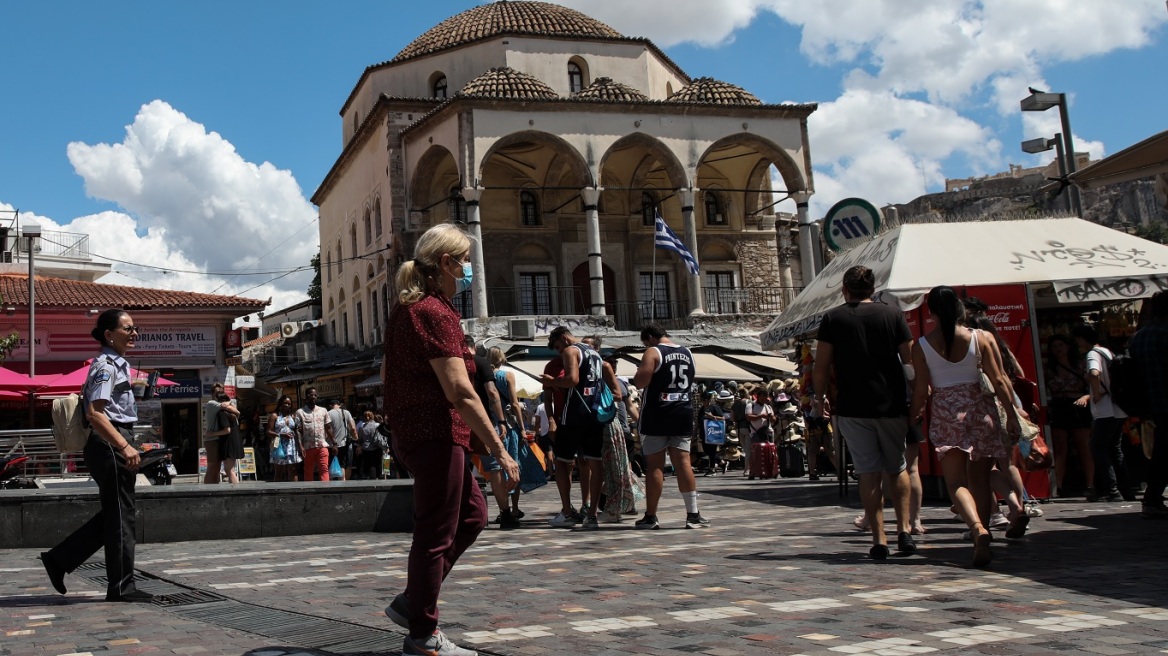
(781, 570)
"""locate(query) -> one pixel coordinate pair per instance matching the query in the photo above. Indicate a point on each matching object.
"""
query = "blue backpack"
(602, 404)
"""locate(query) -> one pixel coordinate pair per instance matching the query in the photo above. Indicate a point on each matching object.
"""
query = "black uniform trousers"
(113, 526)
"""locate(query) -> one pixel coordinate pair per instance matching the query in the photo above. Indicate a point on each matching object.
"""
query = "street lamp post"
(1040, 101)
(31, 232)
(1043, 144)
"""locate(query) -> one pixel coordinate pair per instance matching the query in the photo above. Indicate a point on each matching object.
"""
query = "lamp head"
(1040, 102)
(1039, 145)
(31, 230)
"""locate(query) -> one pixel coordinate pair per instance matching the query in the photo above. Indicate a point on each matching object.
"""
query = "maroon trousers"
(449, 513)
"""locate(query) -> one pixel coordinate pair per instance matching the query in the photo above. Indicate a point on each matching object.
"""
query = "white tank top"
(944, 373)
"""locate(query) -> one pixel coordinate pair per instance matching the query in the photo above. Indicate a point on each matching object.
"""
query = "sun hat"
(725, 395)
(782, 397)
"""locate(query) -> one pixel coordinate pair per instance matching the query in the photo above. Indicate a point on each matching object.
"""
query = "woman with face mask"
(432, 409)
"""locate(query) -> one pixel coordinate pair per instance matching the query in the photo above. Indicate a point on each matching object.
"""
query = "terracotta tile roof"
(58, 292)
(496, 18)
(707, 90)
(603, 88)
(259, 341)
(505, 82)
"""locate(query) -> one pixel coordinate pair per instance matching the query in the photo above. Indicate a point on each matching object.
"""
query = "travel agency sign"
(850, 222)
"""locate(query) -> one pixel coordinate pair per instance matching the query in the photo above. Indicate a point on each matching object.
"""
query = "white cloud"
(193, 206)
(667, 23)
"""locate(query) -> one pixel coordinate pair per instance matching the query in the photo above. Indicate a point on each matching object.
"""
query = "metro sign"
(850, 222)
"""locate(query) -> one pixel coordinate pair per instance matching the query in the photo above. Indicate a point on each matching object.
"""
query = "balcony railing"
(632, 315)
(56, 243)
(747, 300)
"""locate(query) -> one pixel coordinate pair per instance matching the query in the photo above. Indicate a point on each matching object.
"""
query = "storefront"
(1037, 276)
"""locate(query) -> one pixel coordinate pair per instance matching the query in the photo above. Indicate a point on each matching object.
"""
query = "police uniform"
(113, 525)
(667, 410)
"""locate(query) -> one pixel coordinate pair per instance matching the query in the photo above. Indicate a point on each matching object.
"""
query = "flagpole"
(653, 279)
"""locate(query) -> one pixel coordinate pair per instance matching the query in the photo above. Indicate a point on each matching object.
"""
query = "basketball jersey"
(577, 407)
(668, 406)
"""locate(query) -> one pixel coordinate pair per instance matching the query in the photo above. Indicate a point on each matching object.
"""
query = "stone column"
(807, 243)
(591, 196)
(478, 288)
(691, 242)
(786, 283)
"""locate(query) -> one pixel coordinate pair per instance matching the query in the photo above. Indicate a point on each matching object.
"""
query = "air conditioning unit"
(309, 325)
(289, 329)
(305, 351)
(521, 328)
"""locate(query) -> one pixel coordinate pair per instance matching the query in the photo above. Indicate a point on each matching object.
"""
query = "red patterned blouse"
(416, 407)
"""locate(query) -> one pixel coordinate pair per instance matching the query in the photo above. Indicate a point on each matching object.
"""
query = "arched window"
(648, 209)
(714, 214)
(328, 267)
(353, 238)
(529, 209)
(377, 216)
(340, 259)
(575, 77)
(668, 89)
(456, 206)
(368, 227)
(439, 87)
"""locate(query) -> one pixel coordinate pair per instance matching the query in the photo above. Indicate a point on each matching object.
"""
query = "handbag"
(1031, 452)
(715, 431)
(278, 452)
(987, 387)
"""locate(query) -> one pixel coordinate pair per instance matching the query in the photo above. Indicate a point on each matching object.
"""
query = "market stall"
(1066, 266)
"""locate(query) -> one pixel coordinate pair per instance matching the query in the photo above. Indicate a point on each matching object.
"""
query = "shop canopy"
(711, 367)
(1147, 158)
(1083, 261)
(526, 387)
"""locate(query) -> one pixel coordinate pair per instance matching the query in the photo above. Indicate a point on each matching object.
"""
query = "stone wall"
(759, 259)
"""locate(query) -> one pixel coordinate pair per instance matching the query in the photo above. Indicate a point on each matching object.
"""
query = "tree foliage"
(314, 286)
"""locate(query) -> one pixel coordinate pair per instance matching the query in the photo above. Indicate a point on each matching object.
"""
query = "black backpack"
(1128, 390)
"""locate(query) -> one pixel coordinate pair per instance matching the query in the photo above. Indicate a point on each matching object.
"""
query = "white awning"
(1079, 257)
(526, 386)
(533, 368)
(769, 361)
(712, 367)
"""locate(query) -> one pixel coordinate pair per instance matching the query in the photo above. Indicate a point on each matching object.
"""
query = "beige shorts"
(651, 444)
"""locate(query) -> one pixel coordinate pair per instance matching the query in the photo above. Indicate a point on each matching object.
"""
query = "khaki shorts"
(876, 445)
(651, 444)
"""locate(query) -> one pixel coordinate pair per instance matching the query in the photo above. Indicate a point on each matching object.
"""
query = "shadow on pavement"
(48, 600)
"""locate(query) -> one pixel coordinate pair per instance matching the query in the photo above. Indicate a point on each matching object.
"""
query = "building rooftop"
(505, 82)
(711, 91)
(604, 88)
(58, 292)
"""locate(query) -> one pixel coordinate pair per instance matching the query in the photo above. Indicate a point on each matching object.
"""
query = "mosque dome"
(506, 17)
(603, 88)
(715, 92)
(504, 82)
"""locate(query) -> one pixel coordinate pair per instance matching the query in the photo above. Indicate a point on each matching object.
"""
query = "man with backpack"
(1111, 480)
(667, 422)
(578, 430)
(1149, 349)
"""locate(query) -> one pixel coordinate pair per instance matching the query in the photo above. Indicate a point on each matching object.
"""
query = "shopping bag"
(335, 471)
(279, 453)
(715, 431)
(532, 475)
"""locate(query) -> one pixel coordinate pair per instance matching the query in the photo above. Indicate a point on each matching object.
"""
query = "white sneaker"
(562, 521)
(1032, 510)
(436, 645)
(998, 520)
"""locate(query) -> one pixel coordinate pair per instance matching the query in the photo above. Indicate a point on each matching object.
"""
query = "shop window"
(529, 209)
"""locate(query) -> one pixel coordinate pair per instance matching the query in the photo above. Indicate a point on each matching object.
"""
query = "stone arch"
(436, 172)
(717, 250)
(643, 147)
(577, 166)
(532, 253)
(356, 283)
(764, 149)
(341, 297)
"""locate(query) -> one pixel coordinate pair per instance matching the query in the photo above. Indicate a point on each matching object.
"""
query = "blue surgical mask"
(462, 284)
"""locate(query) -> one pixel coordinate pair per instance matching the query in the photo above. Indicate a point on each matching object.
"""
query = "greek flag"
(665, 238)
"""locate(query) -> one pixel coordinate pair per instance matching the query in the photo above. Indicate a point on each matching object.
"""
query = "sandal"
(860, 522)
(981, 548)
(918, 529)
(1018, 527)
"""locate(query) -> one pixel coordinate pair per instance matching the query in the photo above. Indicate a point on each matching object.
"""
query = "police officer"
(667, 374)
(113, 462)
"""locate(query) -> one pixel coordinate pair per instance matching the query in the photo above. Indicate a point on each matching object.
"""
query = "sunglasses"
(129, 329)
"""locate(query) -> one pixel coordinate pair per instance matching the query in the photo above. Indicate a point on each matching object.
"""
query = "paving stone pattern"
(780, 571)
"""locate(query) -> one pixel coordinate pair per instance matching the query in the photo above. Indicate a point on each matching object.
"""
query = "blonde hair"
(415, 277)
(495, 355)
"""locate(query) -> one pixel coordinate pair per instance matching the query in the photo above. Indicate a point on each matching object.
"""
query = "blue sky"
(911, 92)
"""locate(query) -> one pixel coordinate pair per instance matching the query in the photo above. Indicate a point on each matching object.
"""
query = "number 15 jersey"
(668, 406)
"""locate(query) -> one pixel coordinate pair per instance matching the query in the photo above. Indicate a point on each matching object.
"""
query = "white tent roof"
(1085, 261)
(709, 366)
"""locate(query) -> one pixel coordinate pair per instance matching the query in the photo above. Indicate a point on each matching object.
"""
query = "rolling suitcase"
(792, 462)
(764, 460)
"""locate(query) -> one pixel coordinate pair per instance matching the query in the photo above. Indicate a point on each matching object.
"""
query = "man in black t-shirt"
(868, 345)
